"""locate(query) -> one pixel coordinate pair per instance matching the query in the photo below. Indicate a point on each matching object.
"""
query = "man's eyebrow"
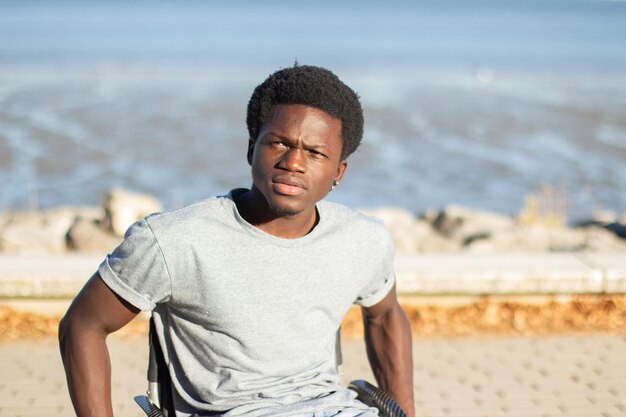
(305, 143)
(277, 135)
(316, 145)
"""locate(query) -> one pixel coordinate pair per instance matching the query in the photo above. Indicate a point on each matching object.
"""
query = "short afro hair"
(310, 86)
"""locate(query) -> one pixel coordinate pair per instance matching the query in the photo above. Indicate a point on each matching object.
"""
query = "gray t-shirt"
(247, 320)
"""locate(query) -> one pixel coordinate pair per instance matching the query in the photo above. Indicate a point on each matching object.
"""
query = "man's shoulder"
(342, 216)
(199, 214)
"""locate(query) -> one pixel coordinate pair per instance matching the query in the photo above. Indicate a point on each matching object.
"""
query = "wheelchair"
(158, 399)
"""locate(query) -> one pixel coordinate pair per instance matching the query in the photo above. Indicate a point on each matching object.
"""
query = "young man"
(248, 289)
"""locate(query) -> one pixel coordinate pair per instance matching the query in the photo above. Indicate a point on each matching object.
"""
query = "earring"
(335, 183)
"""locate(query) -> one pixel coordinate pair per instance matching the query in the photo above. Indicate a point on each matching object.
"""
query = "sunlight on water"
(473, 104)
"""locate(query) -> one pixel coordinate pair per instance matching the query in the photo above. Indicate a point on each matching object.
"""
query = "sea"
(480, 103)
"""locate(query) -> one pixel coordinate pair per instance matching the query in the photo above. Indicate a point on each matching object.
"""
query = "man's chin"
(282, 211)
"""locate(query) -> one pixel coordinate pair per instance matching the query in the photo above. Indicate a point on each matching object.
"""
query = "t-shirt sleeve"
(137, 270)
(383, 277)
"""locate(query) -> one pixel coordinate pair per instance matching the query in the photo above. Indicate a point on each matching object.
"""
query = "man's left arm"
(388, 341)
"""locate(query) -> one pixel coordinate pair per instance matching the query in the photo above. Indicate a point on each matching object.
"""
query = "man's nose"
(293, 160)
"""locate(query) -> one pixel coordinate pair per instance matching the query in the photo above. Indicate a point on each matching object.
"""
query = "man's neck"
(253, 207)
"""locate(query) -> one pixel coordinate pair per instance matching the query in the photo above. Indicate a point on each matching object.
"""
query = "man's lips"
(287, 186)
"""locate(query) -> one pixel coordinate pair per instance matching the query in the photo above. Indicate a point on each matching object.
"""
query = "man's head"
(313, 87)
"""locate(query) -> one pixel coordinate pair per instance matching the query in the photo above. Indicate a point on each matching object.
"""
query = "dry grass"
(582, 314)
(16, 324)
(547, 207)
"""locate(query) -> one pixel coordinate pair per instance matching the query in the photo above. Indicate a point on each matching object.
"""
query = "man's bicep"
(382, 308)
(98, 308)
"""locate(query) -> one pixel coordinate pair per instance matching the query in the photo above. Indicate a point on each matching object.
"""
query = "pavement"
(557, 375)
(465, 377)
(62, 276)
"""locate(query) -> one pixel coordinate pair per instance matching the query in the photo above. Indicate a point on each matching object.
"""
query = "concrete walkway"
(39, 276)
(522, 377)
(542, 376)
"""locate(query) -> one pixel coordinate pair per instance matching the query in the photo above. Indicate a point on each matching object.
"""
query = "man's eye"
(278, 145)
(316, 154)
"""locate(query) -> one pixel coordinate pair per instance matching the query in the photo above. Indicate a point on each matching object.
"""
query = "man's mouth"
(287, 186)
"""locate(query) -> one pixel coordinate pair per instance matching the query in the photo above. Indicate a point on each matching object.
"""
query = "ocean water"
(471, 102)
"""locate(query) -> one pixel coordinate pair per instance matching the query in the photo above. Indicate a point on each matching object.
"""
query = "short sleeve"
(136, 270)
(383, 277)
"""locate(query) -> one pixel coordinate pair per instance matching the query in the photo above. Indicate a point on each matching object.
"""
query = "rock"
(87, 235)
(30, 232)
(523, 240)
(409, 233)
(604, 216)
(123, 208)
(446, 224)
(545, 239)
(430, 215)
(466, 225)
(40, 231)
(601, 239)
(617, 228)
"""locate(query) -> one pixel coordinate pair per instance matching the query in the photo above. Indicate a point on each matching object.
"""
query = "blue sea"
(479, 103)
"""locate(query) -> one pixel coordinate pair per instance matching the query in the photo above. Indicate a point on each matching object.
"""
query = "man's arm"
(388, 341)
(95, 313)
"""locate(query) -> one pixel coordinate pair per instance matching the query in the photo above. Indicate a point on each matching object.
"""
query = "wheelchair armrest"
(376, 397)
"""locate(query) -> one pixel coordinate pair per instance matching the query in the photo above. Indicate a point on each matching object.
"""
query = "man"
(248, 289)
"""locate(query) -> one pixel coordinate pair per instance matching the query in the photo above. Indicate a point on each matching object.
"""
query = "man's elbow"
(73, 328)
(65, 329)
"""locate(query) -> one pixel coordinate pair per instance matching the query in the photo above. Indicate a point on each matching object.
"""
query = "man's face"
(296, 157)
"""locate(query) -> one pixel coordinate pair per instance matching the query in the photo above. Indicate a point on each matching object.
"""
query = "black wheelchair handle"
(374, 396)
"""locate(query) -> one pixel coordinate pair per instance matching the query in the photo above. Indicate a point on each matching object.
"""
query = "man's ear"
(341, 170)
(251, 143)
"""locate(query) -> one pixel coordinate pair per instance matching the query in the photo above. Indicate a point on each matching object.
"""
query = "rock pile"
(460, 229)
(83, 229)
(455, 229)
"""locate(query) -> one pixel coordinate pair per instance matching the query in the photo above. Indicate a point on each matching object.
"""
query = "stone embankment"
(455, 229)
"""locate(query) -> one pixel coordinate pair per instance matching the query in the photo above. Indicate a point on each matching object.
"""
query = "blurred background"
(473, 102)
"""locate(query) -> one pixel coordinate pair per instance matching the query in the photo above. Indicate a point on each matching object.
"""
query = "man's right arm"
(95, 313)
